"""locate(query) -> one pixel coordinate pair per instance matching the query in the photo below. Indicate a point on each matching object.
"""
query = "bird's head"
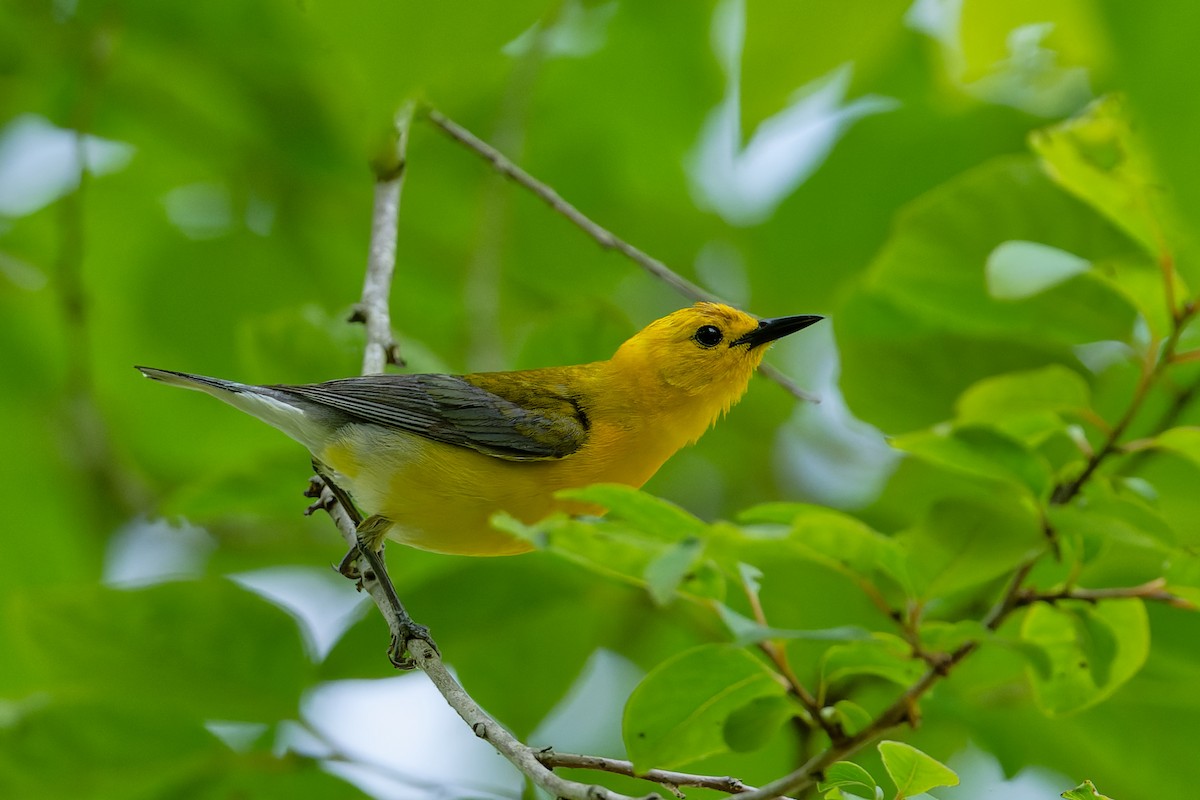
(708, 349)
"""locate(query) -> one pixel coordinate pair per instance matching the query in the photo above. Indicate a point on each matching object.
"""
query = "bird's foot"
(398, 650)
(348, 566)
(321, 501)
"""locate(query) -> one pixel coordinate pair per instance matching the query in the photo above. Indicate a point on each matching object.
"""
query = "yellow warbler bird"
(432, 457)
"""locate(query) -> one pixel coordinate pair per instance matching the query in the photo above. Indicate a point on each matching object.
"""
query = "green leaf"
(1016, 269)
(980, 452)
(1140, 280)
(921, 326)
(1053, 389)
(1097, 641)
(664, 574)
(964, 542)
(1073, 645)
(851, 716)
(1183, 441)
(1101, 521)
(678, 712)
(943, 637)
(753, 725)
(884, 656)
(652, 516)
(1032, 652)
(746, 631)
(1097, 157)
(846, 544)
(1151, 42)
(1084, 791)
(255, 669)
(610, 547)
(849, 777)
(912, 771)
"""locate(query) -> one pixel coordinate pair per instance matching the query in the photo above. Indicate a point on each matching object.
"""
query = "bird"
(430, 458)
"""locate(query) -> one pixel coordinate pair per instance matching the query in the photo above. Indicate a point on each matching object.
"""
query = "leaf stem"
(778, 656)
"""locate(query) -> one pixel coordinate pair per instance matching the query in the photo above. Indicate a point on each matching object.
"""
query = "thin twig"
(1155, 591)
(779, 658)
(427, 659)
(522, 756)
(381, 348)
(617, 766)
(604, 237)
(1152, 368)
(902, 710)
(772, 373)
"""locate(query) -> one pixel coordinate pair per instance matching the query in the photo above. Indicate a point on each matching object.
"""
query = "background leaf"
(1091, 658)
(680, 711)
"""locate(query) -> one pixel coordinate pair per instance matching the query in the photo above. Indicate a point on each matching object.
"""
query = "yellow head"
(707, 352)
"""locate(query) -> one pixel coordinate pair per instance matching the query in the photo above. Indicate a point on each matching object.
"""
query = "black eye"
(708, 336)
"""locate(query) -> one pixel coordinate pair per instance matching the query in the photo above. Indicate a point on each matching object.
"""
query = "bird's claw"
(349, 567)
(321, 501)
(398, 652)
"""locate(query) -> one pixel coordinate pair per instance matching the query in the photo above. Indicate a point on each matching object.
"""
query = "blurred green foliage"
(990, 244)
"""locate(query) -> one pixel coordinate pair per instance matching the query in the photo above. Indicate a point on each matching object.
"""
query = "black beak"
(769, 330)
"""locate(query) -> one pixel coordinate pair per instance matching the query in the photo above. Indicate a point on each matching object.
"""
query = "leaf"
(1076, 683)
(849, 777)
(664, 574)
(912, 771)
(1052, 389)
(1098, 642)
(943, 637)
(746, 631)
(846, 544)
(649, 515)
(1016, 269)
(964, 542)
(884, 656)
(921, 326)
(1096, 157)
(980, 452)
(1101, 521)
(610, 547)
(750, 727)
(1033, 653)
(1084, 791)
(1183, 441)
(678, 712)
(851, 716)
(254, 669)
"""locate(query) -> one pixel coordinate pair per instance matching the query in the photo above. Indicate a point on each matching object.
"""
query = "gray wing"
(448, 408)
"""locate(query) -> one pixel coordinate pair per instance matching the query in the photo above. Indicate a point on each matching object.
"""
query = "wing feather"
(531, 422)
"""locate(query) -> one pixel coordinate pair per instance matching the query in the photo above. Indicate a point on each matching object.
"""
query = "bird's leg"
(348, 566)
(370, 545)
(370, 534)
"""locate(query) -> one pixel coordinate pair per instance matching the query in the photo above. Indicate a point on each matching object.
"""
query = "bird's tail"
(291, 414)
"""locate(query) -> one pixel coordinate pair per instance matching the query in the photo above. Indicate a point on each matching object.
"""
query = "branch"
(903, 709)
(604, 237)
(779, 657)
(1155, 590)
(427, 659)
(381, 348)
(1152, 369)
(666, 777)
